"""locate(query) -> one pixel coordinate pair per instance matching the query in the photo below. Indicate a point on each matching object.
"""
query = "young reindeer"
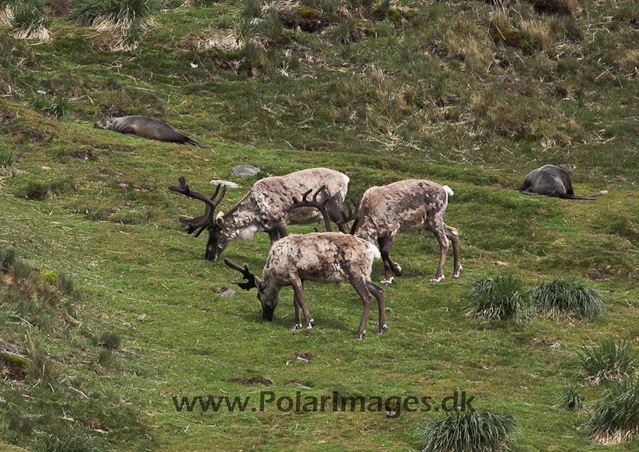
(409, 204)
(264, 208)
(324, 257)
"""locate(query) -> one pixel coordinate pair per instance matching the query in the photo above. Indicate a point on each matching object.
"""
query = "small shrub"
(571, 400)
(105, 358)
(562, 296)
(64, 284)
(273, 25)
(7, 159)
(468, 432)
(40, 367)
(501, 298)
(252, 9)
(110, 341)
(616, 415)
(611, 359)
(58, 107)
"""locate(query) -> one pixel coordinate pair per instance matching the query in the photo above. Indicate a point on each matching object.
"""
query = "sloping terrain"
(470, 94)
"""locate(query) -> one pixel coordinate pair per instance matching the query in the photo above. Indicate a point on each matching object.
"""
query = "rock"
(245, 170)
(8, 348)
(224, 292)
(224, 182)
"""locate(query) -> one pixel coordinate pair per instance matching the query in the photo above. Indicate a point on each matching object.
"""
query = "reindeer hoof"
(309, 326)
(297, 326)
(312, 322)
(437, 280)
(388, 282)
(459, 272)
(397, 270)
(382, 328)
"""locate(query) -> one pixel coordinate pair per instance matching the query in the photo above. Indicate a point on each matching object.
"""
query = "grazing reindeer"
(411, 204)
(322, 257)
(264, 208)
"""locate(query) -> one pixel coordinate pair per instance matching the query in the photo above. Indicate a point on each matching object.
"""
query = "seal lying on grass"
(143, 127)
(550, 180)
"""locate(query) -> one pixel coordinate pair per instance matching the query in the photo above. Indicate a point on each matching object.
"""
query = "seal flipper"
(195, 143)
(133, 135)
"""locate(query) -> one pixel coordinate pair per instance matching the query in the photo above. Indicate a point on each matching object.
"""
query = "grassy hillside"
(120, 310)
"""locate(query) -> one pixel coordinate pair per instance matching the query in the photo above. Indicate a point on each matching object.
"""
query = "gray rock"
(8, 348)
(224, 292)
(245, 170)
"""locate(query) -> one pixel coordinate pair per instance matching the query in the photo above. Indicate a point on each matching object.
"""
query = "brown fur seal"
(143, 127)
(550, 180)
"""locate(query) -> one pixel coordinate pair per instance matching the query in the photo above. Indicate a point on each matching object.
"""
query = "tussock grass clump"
(110, 341)
(616, 415)
(468, 432)
(28, 18)
(130, 18)
(563, 296)
(612, 358)
(628, 12)
(501, 298)
(571, 400)
(40, 190)
(7, 159)
(40, 368)
(58, 106)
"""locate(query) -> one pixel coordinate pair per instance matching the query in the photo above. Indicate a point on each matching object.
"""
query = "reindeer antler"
(203, 221)
(353, 209)
(251, 279)
(321, 206)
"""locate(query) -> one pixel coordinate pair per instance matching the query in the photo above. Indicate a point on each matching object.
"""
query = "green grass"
(431, 95)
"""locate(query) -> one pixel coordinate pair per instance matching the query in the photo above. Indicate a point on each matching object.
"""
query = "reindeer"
(410, 204)
(324, 257)
(264, 208)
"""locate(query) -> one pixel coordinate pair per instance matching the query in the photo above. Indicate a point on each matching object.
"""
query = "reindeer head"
(217, 239)
(269, 296)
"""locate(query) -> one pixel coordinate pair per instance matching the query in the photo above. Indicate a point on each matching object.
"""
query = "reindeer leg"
(453, 235)
(385, 244)
(379, 294)
(438, 230)
(362, 290)
(298, 324)
(298, 288)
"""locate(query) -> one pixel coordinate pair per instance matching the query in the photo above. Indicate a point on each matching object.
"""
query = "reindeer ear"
(219, 219)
